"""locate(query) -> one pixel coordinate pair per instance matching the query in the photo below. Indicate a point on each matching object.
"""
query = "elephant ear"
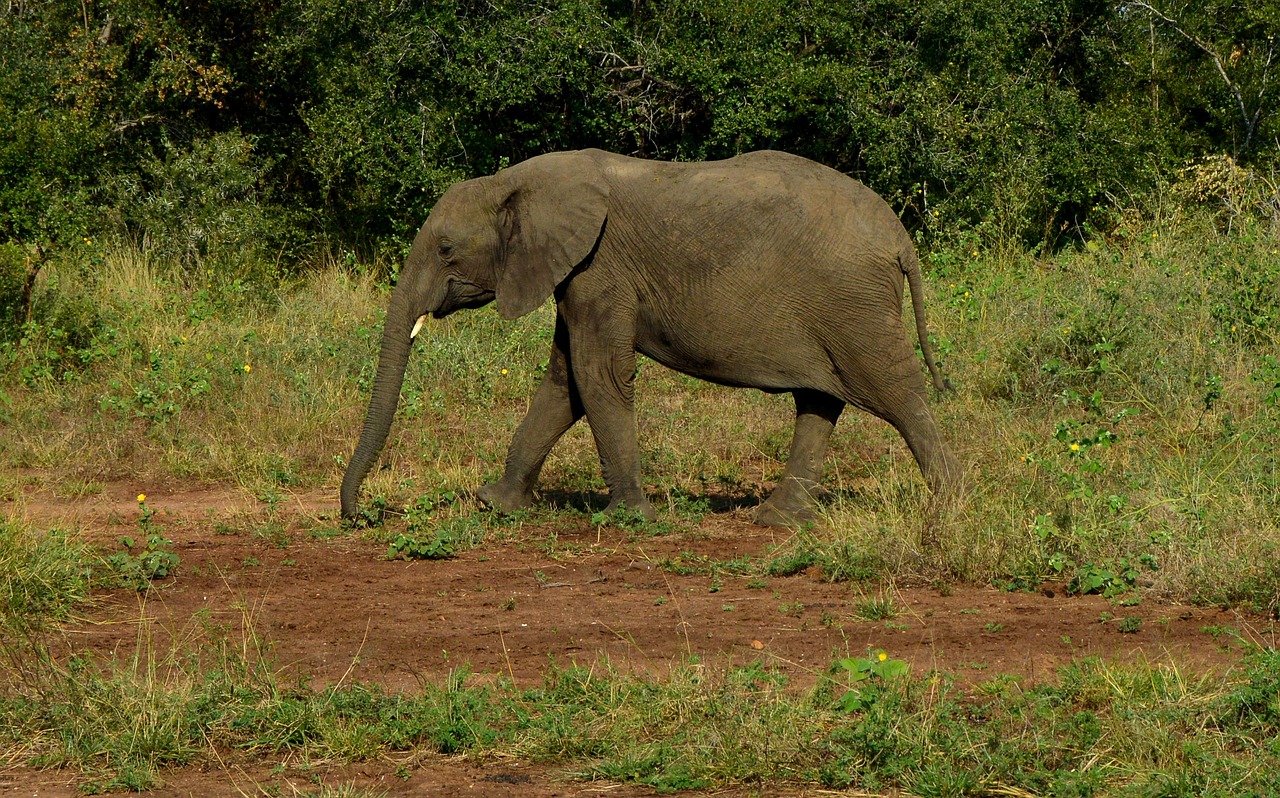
(551, 220)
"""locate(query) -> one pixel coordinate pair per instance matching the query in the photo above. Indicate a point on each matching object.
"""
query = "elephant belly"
(740, 356)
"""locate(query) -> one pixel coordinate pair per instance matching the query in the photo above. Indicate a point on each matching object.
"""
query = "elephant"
(766, 270)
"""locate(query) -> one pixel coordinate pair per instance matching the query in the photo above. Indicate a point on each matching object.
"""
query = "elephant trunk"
(392, 360)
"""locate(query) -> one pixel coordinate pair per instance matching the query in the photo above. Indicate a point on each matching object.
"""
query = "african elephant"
(766, 271)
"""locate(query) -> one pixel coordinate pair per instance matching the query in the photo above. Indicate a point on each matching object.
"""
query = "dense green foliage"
(214, 127)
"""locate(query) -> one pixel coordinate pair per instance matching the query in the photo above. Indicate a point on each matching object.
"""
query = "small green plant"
(1111, 578)
(632, 521)
(867, 678)
(1129, 624)
(425, 538)
(1219, 633)
(151, 561)
(410, 547)
(793, 609)
(877, 608)
(370, 514)
(271, 496)
(425, 507)
(275, 532)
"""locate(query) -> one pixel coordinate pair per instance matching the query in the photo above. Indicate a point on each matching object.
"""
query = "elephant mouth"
(461, 296)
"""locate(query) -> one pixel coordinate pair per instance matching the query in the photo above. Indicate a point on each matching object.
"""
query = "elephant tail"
(910, 264)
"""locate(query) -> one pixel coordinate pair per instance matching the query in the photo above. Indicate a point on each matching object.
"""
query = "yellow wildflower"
(1075, 447)
(142, 497)
(504, 371)
(247, 368)
(882, 656)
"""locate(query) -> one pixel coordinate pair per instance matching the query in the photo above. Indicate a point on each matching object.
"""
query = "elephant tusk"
(417, 326)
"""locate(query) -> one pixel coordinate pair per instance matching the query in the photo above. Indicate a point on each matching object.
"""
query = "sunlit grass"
(1099, 729)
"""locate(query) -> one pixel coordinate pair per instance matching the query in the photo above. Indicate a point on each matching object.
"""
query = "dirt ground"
(336, 609)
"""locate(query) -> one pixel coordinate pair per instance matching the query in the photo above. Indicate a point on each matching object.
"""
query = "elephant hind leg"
(893, 388)
(792, 501)
(915, 422)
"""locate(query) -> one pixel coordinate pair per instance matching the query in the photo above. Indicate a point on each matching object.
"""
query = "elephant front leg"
(555, 408)
(605, 375)
(792, 501)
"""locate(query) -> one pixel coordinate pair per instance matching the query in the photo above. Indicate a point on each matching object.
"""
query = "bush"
(205, 204)
(199, 125)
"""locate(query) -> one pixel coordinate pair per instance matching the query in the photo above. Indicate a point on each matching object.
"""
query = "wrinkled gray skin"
(765, 271)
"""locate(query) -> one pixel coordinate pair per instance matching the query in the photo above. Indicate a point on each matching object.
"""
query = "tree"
(1241, 42)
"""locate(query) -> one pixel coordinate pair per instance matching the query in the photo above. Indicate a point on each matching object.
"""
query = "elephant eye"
(445, 249)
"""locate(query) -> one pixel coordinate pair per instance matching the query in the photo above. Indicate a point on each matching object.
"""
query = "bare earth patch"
(337, 609)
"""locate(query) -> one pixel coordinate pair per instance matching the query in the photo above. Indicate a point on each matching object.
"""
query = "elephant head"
(512, 237)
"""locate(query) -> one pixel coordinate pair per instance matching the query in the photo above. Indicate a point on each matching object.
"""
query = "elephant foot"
(641, 506)
(504, 498)
(776, 514)
(792, 503)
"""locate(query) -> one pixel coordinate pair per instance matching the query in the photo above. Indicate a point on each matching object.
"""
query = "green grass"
(1100, 730)
(44, 576)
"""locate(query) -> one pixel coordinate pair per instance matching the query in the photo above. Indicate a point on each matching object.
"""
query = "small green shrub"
(1110, 579)
(151, 561)
(443, 545)
(867, 677)
(876, 608)
(155, 559)
(429, 537)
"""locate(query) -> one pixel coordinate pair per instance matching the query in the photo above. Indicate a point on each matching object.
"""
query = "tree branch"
(1217, 61)
(29, 284)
